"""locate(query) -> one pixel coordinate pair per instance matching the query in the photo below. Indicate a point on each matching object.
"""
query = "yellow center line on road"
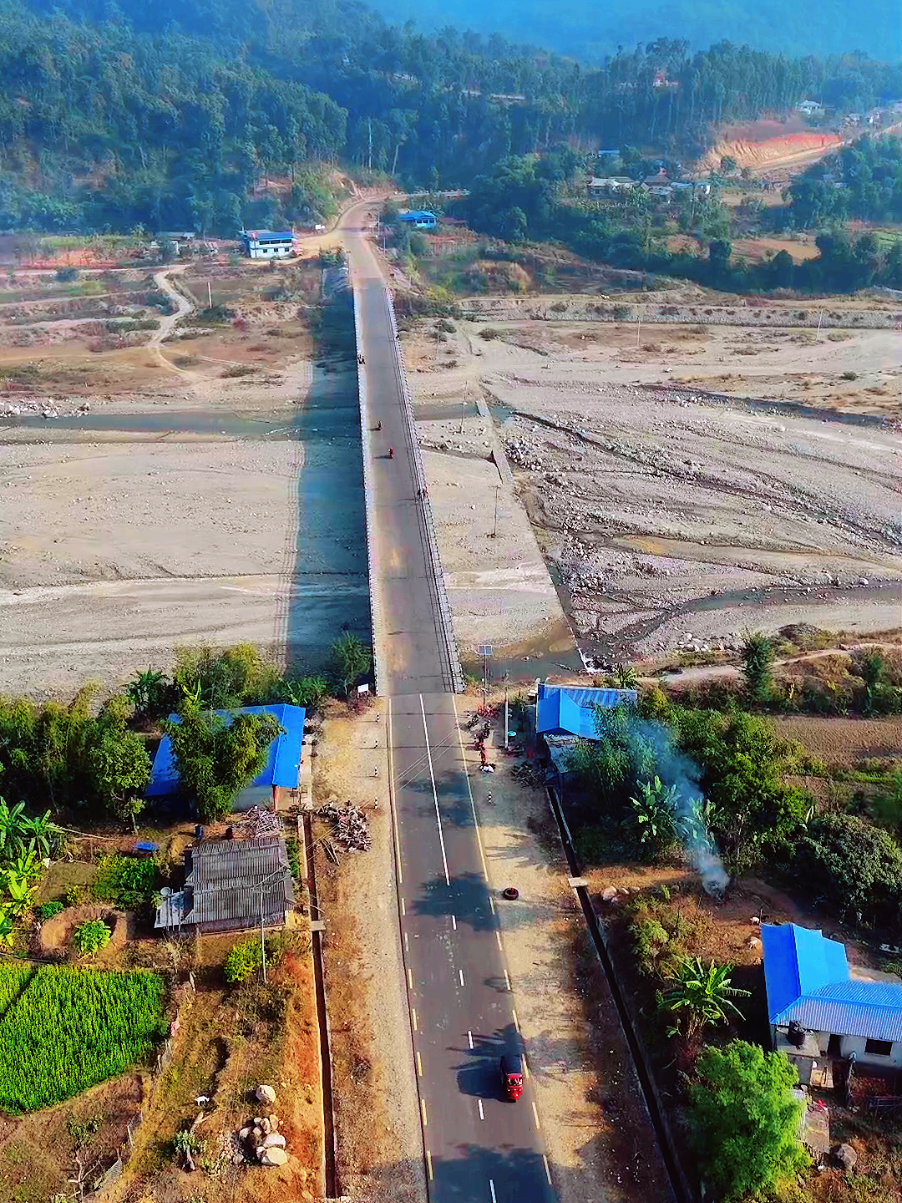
(429, 1165)
(419, 1064)
(423, 1109)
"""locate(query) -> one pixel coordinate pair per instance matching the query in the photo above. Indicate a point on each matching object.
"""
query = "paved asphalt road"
(479, 1147)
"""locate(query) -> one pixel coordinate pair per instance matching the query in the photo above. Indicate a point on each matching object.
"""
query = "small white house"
(834, 1015)
(811, 108)
(600, 186)
(266, 244)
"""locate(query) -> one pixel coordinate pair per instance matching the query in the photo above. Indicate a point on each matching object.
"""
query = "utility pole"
(485, 650)
(495, 527)
(369, 127)
(210, 294)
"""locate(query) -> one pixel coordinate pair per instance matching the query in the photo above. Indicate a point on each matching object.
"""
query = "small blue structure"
(809, 985)
(566, 710)
(282, 766)
(422, 219)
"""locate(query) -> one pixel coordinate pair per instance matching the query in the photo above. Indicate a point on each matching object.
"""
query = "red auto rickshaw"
(512, 1076)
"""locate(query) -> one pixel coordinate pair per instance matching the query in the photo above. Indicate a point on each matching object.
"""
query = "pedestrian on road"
(391, 453)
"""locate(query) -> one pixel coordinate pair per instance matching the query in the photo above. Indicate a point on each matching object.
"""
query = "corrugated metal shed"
(282, 766)
(566, 710)
(225, 880)
(807, 980)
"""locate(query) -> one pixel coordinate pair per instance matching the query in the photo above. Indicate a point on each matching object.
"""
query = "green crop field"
(63, 1030)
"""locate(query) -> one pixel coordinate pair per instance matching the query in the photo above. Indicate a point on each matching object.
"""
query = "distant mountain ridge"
(589, 31)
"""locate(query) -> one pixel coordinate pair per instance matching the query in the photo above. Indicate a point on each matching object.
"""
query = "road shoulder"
(378, 1135)
(599, 1138)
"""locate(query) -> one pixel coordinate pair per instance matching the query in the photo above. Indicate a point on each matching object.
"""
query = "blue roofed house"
(833, 1014)
(421, 219)
(568, 710)
(278, 778)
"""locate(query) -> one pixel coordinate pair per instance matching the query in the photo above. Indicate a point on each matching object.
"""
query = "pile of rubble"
(262, 1141)
(350, 824)
(47, 407)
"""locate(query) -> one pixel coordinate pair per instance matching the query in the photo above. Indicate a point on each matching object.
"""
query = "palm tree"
(757, 658)
(627, 677)
(148, 693)
(701, 995)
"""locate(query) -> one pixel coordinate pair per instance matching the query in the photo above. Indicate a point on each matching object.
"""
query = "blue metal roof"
(282, 765)
(807, 979)
(566, 710)
(417, 215)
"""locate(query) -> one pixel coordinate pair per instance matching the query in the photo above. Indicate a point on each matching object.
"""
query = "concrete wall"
(856, 1045)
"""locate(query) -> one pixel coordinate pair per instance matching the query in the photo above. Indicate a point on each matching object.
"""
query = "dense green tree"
(745, 1120)
(216, 759)
(757, 658)
(741, 763)
(854, 867)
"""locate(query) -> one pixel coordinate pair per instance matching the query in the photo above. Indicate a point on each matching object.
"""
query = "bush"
(89, 937)
(855, 867)
(242, 961)
(125, 881)
(745, 1120)
(74, 896)
(622, 313)
(47, 910)
(488, 334)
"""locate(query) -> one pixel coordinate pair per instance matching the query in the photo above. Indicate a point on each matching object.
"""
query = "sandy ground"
(379, 1140)
(599, 1139)
(668, 518)
(188, 505)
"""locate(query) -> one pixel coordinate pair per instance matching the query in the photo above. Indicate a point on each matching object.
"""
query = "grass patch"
(63, 1030)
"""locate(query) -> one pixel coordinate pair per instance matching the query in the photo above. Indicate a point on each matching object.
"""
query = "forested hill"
(169, 113)
(591, 30)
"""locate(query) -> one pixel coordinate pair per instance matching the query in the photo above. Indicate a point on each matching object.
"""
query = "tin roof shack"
(832, 1014)
(230, 884)
(568, 710)
(275, 785)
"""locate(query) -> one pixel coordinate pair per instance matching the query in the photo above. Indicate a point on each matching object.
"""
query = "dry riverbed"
(666, 516)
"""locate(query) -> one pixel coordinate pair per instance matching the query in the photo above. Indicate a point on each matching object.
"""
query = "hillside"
(591, 31)
(178, 115)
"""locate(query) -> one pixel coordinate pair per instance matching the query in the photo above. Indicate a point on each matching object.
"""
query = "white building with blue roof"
(833, 1014)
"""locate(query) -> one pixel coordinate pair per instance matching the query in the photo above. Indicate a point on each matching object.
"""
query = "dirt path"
(711, 672)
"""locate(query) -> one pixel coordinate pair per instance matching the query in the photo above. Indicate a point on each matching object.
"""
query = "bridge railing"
(437, 579)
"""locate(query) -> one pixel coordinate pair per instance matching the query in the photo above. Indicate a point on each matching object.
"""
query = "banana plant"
(6, 927)
(21, 893)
